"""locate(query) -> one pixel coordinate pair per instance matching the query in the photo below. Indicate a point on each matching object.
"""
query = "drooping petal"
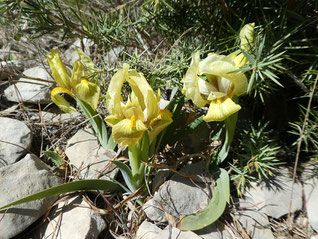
(145, 93)
(223, 67)
(191, 82)
(220, 109)
(113, 95)
(78, 73)
(60, 100)
(247, 36)
(159, 123)
(60, 72)
(128, 132)
(89, 92)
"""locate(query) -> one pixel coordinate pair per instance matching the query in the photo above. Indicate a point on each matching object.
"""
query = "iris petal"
(190, 82)
(60, 100)
(220, 109)
(89, 92)
(159, 123)
(128, 132)
(60, 72)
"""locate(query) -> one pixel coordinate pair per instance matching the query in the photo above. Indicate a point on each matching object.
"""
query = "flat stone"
(147, 230)
(310, 185)
(178, 196)
(85, 153)
(15, 140)
(55, 118)
(26, 177)
(273, 197)
(29, 90)
(254, 222)
(73, 219)
(215, 231)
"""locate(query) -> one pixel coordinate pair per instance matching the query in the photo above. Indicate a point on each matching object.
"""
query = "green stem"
(230, 125)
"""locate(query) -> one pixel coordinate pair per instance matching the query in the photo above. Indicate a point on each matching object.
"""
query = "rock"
(15, 140)
(147, 230)
(31, 91)
(179, 196)
(85, 153)
(71, 55)
(273, 197)
(215, 231)
(73, 219)
(53, 118)
(310, 185)
(9, 66)
(28, 176)
(254, 222)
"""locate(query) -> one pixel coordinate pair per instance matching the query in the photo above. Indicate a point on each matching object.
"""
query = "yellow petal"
(247, 36)
(240, 60)
(113, 95)
(89, 92)
(190, 82)
(86, 60)
(159, 123)
(132, 109)
(78, 73)
(220, 109)
(111, 120)
(60, 72)
(60, 100)
(223, 67)
(145, 95)
(128, 132)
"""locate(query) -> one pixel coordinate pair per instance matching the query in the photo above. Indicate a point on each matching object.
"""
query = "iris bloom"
(216, 79)
(73, 84)
(139, 113)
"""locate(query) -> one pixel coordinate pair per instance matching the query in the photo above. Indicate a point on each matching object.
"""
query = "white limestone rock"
(71, 55)
(85, 153)
(9, 66)
(273, 197)
(15, 140)
(29, 90)
(179, 195)
(28, 176)
(310, 184)
(73, 219)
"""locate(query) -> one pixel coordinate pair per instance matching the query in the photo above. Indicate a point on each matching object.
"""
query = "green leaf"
(98, 124)
(82, 185)
(215, 208)
(127, 175)
(55, 157)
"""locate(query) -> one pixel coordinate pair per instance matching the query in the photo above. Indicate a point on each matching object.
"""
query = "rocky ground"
(29, 124)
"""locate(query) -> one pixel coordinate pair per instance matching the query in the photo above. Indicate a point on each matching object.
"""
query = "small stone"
(29, 90)
(178, 196)
(273, 197)
(73, 219)
(15, 140)
(215, 231)
(24, 178)
(310, 184)
(85, 153)
(112, 55)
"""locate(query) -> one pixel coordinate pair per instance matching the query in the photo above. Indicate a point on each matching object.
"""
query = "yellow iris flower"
(72, 83)
(141, 111)
(216, 79)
